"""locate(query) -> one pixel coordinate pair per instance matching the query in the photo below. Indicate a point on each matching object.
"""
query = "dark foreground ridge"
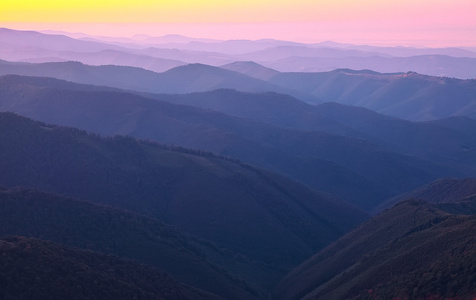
(35, 269)
(260, 215)
(412, 251)
(108, 230)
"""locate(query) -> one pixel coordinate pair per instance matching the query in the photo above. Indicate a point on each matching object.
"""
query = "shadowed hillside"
(250, 211)
(410, 251)
(440, 191)
(108, 230)
(448, 141)
(178, 80)
(357, 170)
(35, 269)
(409, 96)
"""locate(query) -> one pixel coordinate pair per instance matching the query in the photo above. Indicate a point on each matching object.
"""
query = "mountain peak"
(252, 69)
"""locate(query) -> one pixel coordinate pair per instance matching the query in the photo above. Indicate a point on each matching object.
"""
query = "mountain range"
(181, 168)
(238, 207)
(284, 56)
(329, 161)
(413, 250)
(81, 224)
(407, 96)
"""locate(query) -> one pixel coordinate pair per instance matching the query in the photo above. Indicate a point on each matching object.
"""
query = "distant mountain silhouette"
(187, 56)
(121, 58)
(251, 69)
(264, 216)
(401, 51)
(182, 79)
(199, 78)
(432, 65)
(36, 269)
(273, 55)
(17, 39)
(411, 251)
(407, 96)
(237, 47)
(285, 56)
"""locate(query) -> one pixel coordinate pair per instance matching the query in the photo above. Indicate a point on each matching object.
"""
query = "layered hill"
(442, 140)
(173, 124)
(430, 64)
(104, 229)
(360, 171)
(118, 58)
(36, 269)
(158, 52)
(178, 80)
(411, 251)
(250, 211)
(408, 96)
(17, 39)
(446, 190)
(252, 69)
(449, 142)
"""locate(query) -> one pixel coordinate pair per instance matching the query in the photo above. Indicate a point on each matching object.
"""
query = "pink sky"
(404, 22)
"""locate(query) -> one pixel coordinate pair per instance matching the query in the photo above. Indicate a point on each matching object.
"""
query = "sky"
(433, 23)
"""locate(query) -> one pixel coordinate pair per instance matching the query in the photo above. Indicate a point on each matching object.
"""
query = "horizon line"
(210, 31)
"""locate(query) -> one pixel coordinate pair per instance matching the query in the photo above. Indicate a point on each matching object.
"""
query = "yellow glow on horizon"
(298, 19)
(224, 11)
(195, 10)
(130, 11)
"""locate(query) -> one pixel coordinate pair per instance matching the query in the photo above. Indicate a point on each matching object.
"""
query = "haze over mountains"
(235, 169)
(408, 96)
(323, 152)
(280, 55)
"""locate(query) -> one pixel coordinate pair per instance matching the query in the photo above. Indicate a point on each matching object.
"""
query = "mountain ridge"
(85, 225)
(36, 269)
(397, 253)
(229, 203)
(308, 156)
